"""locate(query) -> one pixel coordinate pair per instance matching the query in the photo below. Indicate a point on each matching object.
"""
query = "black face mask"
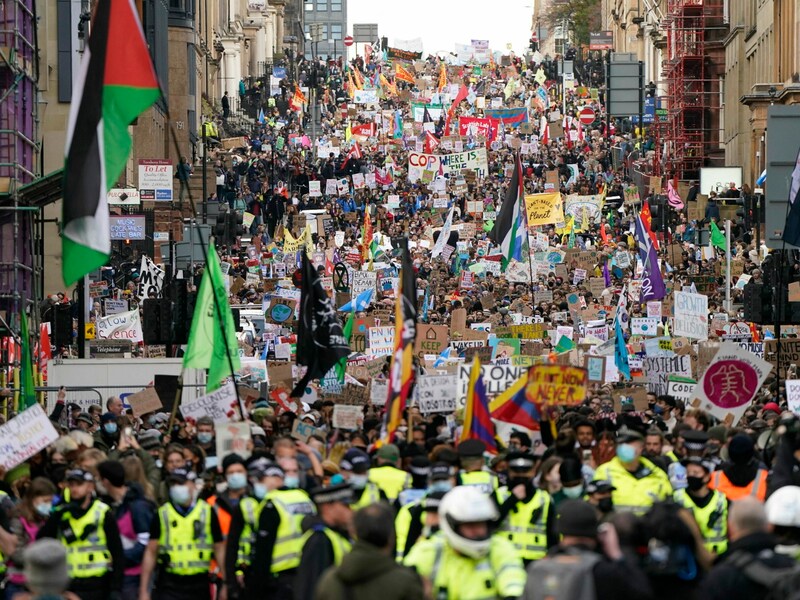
(695, 483)
(515, 480)
(605, 505)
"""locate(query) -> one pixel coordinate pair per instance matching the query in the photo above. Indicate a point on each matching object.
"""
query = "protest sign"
(302, 430)
(436, 393)
(496, 379)
(680, 388)
(730, 382)
(381, 341)
(151, 280)
(579, 207)
(220, 405)
(691, 315)
(793, 395)
(114, 307)
(544, 209)
(281, 311)
(789, 355)
(233, 438)
(25, 435)
(144, 402)
(475, 160)
(379, 391)
(595, 367)
(361, 281)
(644, 326)
(658, 368)
(122, 326)
(556, 384)
(431, 339)
(347, 416)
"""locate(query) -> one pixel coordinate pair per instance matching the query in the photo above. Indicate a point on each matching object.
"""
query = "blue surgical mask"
(358, 482)
(180, 494)
(573, 492)
(260, 490)
(44, 509)
(205, 437)
(110, 428)
(440, 486)
(291, 481)
(237, 481)
(626, 453)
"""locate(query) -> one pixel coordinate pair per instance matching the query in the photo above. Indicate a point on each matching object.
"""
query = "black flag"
(320, 339)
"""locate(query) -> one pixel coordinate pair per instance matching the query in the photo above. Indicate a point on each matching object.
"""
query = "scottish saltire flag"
(791, 231)
(442, 358)
(261, 116)
(477, 419)
(361, 302)
(762, 178)
(510, 231)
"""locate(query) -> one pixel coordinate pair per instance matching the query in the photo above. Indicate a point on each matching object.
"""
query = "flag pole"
(727, 265)
(204, 250)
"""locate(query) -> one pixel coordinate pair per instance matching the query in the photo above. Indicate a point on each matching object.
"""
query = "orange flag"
(401, 73)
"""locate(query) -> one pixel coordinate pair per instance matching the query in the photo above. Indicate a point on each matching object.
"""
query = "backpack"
(564, 576)
(781, 583)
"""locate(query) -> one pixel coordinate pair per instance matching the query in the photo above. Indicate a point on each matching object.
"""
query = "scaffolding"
(20, 222)
(691, 132)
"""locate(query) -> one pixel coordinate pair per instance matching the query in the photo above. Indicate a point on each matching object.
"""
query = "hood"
(364, 563)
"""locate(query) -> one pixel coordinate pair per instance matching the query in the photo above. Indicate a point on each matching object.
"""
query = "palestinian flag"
(116, 84)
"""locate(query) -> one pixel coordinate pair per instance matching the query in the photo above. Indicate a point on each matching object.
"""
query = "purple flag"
(606, 274)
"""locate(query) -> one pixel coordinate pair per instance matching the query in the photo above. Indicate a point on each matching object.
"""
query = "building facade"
(327, 21)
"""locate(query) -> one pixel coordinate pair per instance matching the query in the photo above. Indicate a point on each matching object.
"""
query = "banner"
(122, 326)
(24, 436)
(544, 209)
(151, 280)
(365, 96)
(220, 405)
(403, 54)
(474, 160)
(478, 127)
(579, 206)
(509, 116)
(418, 111)
(691, 316)
(730, 382)
(556, 384)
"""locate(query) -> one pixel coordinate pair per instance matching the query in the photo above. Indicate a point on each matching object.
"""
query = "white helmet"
(783, 507)
(466, 504)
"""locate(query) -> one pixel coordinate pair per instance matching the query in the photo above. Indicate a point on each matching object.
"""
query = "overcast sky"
(442, 23)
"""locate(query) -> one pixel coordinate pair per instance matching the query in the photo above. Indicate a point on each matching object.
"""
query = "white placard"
(658, 368)
(121, 326)
(347, 416)
(379, 391)
(233, 438)
(436, 393)
(691, 316)
(24, 436)
(793, 395)
(381, 341)
(220, 405)
(644, 326)
(681, 390)
(496, 379)
(361, 281)
(114, 307)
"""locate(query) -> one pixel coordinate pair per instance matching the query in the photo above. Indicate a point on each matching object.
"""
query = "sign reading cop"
(155, 179)
(474, 160)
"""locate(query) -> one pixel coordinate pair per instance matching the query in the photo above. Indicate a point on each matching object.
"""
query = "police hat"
(471, 449)
(694, 441)
(340, 492)
(181, 475)
(520, 461)
(599, 486)
(626, 434)
(79, 475)
(440, 471)
(696, 460)
(355, 460)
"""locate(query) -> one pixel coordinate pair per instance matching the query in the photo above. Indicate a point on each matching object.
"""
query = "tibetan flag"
(717, 237)
(401, 369)
(27, 396)
(513, 406)
(212, 339)
(401, 73)
(116, 83)
(477, 418)
(791, 231)
(510, 231)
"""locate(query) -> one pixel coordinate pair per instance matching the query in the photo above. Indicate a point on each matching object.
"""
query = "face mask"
(713, 449)
(44, 509)
(440, 486)
(695, 483)
(573, 492)
(626, 453)
(606, 505)
(260, 490)
(205, 437)
(358, 482)
(514, 481)
(159, 463)
(110, 428)
(221, 487)
(291, 481)
(237, 481)
(402, 429)
(180, 494)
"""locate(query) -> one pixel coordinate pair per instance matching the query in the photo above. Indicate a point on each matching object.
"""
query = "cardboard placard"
(349, 417)
(431, 339)
(280, 372)
(144, 402)
(302, 431)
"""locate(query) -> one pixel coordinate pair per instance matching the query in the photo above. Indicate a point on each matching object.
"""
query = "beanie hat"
(741, 448)
(150, 439)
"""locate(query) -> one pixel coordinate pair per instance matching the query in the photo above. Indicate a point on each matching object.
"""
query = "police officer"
(386, 475)
(464, 560)
(709, 507)
(269, 537)
(527, 514)
(412, 519)
(637, 481)
(473, 473)
(354, 467)
(326, 543)
(598, 494)
(184, 538)
(87, 528)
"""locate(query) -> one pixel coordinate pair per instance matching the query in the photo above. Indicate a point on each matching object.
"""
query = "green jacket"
(369, 574)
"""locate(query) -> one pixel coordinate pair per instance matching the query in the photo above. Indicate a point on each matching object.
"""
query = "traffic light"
(151, 321)
(61, 325)
(229, 227)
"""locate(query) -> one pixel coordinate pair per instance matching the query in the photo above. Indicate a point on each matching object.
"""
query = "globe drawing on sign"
(730, 383)
(281, 313)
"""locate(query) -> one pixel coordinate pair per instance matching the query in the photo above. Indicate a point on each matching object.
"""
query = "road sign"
(586, 115)
(348, 40)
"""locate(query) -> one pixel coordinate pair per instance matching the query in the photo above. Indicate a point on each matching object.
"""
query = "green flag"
(208, 348)
(717, 237)
(27, 396)
(341, 366)
(571, 239)
(564, 345)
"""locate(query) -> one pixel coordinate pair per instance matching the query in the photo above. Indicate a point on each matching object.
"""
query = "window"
(322, 4)
(336, 31)
(336, 5)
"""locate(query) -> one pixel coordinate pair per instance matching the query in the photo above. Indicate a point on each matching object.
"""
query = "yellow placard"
(90, 331)
(544, 209)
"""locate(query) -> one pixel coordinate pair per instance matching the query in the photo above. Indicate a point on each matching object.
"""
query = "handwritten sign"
(233, 438)
(379, 392)
(347, 416)
(220, 405)
(25, 435)
(691, 315)
(302, 431)
(556, 384)
(436, 393)
(122, 326)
